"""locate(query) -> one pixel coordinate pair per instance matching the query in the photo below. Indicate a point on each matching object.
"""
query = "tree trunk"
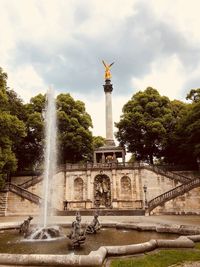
(151, 158)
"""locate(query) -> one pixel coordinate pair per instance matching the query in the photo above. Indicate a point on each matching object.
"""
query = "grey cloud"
(82, 13)
(76, 66)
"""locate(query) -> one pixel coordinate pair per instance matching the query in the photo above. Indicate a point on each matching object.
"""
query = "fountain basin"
(61, 245)
(97, 257)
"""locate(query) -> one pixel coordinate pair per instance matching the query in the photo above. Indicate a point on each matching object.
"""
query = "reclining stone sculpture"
(94, 226)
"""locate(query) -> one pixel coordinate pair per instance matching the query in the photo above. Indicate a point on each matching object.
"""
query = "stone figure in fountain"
(77, 235)
(94, 226)
(25, 227)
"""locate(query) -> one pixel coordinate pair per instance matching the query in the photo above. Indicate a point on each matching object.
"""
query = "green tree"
(194, 95)
(16, 106)
(30, 150)
(190, 127)
(98, 141)
(11, 131)
(183, 145)
(175, 150)
(144, 124)
(74, 135)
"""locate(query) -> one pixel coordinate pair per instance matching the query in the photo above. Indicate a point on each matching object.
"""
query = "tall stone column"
(109, 121)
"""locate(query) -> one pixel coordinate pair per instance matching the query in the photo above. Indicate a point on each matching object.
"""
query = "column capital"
(108, 86)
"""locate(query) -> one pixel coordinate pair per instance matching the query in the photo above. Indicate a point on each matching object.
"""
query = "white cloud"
(26, 82)
(96, 108)
(184, 15)
(167, 76)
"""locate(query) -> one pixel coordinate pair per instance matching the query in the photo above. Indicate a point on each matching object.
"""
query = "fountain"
(44, 231)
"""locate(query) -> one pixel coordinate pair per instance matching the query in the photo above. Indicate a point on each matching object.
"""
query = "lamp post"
(145, 196)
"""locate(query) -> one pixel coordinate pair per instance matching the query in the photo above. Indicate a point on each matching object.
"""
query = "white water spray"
(50, 155)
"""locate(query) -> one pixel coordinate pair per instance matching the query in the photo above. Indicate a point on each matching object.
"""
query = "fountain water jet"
(50, 155)
(44, 231)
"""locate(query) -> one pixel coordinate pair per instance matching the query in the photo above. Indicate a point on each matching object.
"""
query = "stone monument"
(109, 153)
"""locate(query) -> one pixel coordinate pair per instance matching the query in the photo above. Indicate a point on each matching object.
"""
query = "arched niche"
(102, 191)
(125, 187)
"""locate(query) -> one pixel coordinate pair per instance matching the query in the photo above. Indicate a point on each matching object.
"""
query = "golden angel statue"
(107, 70)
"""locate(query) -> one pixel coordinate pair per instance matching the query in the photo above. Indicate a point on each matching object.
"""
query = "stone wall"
(126, 187)
(20, 179)
(189, 203)
(77, 188)
(17, 205)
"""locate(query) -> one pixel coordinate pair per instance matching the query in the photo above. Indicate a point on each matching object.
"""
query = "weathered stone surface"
(165, 228)
(181, 242)
(146, 227)
(195, 238)
(189, 230)
(131, 249)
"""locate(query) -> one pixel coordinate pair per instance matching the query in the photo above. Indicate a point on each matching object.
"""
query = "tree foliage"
(144, 124)
(11, 131)
(74, 136)
(190, 126)
(98, 141)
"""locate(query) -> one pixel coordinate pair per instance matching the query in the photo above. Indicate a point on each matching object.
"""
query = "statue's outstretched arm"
(104, 63)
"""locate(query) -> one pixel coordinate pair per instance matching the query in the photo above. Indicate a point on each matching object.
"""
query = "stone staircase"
(36, 179)
(31, 182)
(3, 202)
(169, 174)
(173, 193)
(24, 193)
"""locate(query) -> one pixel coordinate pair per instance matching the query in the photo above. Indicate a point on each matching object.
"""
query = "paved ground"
(174, 219)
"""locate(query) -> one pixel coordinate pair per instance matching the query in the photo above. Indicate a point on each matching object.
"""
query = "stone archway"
(102, 192)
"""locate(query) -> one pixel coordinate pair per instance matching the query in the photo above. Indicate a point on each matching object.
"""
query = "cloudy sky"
(62, 42)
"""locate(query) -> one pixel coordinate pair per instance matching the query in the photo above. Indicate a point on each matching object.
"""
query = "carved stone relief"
(102, 192)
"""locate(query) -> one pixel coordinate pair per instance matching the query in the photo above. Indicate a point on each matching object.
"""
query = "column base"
(109, 142)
